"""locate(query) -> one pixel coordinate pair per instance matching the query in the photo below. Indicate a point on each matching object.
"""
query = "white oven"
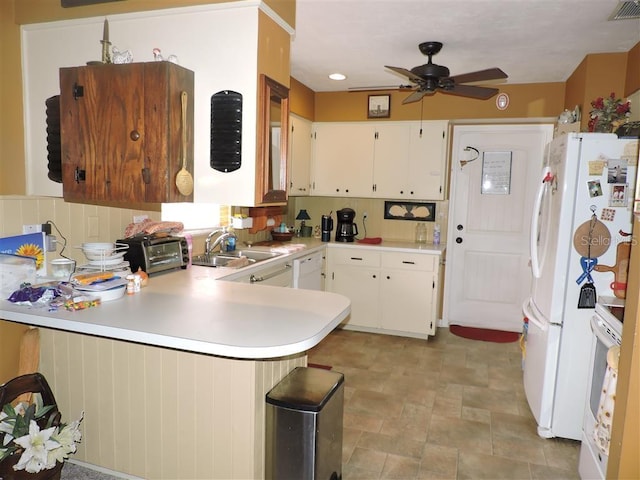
(607, 332)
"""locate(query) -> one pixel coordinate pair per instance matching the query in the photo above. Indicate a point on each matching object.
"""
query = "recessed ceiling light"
(337, 76)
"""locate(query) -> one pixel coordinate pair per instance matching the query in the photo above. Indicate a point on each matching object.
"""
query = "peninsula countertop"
(193, 311)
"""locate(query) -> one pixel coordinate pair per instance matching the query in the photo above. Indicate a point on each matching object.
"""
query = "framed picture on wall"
(379, 106)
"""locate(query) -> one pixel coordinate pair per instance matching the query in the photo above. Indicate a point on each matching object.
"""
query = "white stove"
(606, 326)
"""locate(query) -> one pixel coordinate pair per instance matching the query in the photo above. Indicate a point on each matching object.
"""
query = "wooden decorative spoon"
(184, 180)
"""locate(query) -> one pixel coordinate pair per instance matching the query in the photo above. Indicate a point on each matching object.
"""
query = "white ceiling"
(531, 40)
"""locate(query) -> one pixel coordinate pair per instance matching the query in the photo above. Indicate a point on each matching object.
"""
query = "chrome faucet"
(224, 234)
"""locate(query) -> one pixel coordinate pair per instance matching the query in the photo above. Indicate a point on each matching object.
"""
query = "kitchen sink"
(237, 259)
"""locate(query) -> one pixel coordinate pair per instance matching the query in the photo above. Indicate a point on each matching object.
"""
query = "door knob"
(458, 239)
(460, 227)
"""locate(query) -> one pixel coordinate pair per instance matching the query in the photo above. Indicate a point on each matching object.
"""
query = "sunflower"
(31, 250)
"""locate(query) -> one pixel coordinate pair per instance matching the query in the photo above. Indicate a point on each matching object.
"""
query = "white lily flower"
(36, 445)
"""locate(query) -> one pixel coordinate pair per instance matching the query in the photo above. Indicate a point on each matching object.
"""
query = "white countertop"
(189, 310)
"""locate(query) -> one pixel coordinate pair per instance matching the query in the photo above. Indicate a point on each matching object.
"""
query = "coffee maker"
(346, 230)
(327, 227)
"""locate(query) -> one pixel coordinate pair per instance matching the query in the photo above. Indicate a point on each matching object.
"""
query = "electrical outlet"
(32, 228)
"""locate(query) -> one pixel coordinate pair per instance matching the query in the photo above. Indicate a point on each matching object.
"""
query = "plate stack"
(104, 256)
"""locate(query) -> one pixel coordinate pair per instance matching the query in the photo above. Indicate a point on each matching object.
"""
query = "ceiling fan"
(429, 78)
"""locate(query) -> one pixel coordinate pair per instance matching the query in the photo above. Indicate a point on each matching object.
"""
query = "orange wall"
(597, 76)
(12, 158)
(274, 45)
(301, 100)
(632, 82)
(526, 100)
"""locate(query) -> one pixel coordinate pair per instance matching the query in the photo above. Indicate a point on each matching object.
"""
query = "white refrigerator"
(584, 174)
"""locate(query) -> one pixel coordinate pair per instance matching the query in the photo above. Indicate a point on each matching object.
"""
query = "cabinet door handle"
(79, 175)
(408, 262)
(146, 176)
(134, 135)
(78, 91)
(388, 277)
(356, 258)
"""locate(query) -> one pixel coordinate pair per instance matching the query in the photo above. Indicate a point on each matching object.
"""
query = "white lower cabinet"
(355, 274)
(390, 291)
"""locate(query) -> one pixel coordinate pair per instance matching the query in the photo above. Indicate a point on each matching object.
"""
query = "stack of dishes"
(110, 289)
(105, 256)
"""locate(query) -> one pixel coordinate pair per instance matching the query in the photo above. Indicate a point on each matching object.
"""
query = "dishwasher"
(307, 272)
(278, 275)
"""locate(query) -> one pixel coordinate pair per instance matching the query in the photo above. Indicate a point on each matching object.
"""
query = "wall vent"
(626, 9)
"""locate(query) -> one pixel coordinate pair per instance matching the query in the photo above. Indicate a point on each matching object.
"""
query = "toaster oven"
(156, 253)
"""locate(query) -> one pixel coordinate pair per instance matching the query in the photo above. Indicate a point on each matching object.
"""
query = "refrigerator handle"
(532, 317)
(535, 221)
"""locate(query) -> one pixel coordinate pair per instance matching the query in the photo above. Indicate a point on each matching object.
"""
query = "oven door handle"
(596, 328)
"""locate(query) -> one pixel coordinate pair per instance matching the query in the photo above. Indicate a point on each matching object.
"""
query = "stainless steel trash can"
(304, 426)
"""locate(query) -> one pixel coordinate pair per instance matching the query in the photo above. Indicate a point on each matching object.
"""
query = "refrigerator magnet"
(618, 195)
(595, 189)
(596, 167)
(617, 171)
(607, 214)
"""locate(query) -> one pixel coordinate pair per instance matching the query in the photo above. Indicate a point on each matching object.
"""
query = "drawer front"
(410, 261)
(354, 256)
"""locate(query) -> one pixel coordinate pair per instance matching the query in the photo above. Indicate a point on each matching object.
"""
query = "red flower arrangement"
(608, 113)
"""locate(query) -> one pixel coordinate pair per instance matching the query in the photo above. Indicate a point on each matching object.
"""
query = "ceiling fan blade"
(415, 96)
(378, 88)
(479, 76)
(481, 93)
(407, 73)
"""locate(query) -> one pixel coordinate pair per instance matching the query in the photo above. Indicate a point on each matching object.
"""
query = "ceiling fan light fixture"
(337, 76)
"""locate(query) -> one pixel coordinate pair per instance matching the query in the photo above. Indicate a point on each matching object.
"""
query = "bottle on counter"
(421, 232)
(230, 241)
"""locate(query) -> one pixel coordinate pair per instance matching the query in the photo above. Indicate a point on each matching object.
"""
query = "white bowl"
(62, 268)
(111, 294)
(98, 250)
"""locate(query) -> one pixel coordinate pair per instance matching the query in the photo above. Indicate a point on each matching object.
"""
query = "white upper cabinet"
(342, 159)
(394, 160)
(300, 131)
(428, 160)
(391, 160)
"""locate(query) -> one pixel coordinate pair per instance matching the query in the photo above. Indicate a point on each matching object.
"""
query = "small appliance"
(327, 227)
(346, 229)
(156, 253)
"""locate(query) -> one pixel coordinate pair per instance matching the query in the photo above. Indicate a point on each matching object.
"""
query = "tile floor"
(446, 408)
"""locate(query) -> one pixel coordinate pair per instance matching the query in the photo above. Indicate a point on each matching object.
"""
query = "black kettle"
(346, 230)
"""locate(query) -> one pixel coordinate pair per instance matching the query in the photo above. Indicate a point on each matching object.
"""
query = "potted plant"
(608, 113)
(33, 442)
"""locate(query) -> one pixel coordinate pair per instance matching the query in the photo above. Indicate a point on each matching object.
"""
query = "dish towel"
(604, 418)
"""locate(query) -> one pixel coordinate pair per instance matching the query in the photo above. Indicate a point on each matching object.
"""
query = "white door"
(494, 175)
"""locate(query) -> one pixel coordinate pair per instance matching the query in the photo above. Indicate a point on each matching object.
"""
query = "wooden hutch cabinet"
(121, 132)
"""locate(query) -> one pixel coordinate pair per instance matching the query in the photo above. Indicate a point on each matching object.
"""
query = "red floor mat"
(484, 334)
